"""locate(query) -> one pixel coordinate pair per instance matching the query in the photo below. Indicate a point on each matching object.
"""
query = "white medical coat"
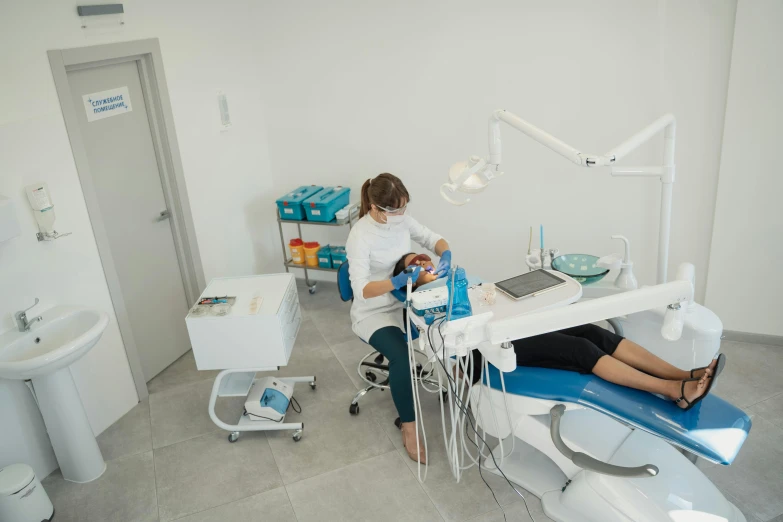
(373, 249)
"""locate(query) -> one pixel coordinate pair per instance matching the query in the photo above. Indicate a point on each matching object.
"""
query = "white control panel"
(435, 300)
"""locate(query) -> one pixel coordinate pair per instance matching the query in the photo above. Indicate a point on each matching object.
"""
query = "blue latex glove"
(445, 264)
(400, 280)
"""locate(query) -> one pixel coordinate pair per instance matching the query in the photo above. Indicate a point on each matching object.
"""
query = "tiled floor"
(168, 461)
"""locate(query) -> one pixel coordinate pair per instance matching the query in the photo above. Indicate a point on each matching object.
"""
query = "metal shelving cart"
(352, 218)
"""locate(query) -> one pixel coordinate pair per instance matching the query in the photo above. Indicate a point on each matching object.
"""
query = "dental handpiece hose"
(412, 363)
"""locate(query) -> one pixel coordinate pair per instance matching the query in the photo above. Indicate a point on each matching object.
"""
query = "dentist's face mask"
(393, 216)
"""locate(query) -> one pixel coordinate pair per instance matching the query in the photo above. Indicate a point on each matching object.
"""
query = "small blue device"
(268, 399)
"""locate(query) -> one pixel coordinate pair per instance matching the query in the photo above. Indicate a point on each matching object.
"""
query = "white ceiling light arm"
(539, 135)
(472, 176)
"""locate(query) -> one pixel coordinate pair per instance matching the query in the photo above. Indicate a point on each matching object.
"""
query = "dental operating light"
(473, 176)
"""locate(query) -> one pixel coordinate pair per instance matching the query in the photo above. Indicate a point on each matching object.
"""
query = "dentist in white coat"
(379, 239)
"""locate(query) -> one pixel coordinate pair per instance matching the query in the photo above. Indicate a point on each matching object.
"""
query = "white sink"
(64, 335)
(43, 355)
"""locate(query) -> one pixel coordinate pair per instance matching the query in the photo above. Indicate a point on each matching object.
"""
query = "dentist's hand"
(445, 264)
(401, 279)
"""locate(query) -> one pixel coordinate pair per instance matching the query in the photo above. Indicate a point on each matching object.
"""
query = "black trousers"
(576, 349)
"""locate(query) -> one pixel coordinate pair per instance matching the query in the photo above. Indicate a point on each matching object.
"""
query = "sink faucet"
(21, 319)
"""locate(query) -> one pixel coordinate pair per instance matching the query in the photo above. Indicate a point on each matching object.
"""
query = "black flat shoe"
(698, 399)
(718, 367)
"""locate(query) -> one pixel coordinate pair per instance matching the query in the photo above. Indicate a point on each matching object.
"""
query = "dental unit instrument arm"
(474, 175)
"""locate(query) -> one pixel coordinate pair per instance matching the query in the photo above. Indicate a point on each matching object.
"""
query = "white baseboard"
(745, 337)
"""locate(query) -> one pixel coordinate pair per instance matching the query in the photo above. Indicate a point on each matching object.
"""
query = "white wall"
(205, 48)
(748, 221)
(359, 88)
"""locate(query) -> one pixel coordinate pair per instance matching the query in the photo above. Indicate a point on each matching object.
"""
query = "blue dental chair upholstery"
(713, 429)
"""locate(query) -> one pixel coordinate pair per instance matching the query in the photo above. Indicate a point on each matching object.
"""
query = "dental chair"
(372, 364)
(594, 451)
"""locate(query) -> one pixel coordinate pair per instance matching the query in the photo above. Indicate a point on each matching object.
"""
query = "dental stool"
(372, 364)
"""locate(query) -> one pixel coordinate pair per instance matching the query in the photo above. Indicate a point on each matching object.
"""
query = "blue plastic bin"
(325, 204)
(290, 205)
(338, 256)
(325, 257)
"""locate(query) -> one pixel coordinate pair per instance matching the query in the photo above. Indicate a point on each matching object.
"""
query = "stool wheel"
(313, 289)
(379, 359)
(354, 409)
(370, 376)
(297, 436)
(233, 436)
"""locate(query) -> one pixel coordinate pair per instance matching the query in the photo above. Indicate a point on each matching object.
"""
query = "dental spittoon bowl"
(582, 267)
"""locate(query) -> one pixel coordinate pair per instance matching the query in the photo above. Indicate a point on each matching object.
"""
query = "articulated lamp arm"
(472, 176)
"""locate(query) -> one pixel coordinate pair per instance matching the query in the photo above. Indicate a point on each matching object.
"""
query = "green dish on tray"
(581, 267)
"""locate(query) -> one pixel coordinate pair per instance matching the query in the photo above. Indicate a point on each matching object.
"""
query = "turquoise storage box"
(324, 205)
(338, 256)
(325, 257)
(290, 205)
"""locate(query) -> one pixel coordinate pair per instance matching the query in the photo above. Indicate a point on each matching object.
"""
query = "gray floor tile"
(332, 439)
(470, 497)
(129, 435)
(208, 471)
(377, 489)
(182, 371)
(126, 491)
(182, 413)
(334, 322)
(272, 505)
(752, 373)
(754, 478)
(514, 513)
(778, 518)
(309, 339)
(770, 409)
(746, 511)
(331, 378)
(325, 296)
(349, 353)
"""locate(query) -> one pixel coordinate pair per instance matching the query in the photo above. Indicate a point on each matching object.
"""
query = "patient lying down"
(592, 349)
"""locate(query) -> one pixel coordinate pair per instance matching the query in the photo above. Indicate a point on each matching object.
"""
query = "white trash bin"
(22, 497)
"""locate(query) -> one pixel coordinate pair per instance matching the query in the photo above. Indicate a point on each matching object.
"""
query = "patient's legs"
(631, 353)
(616, 371)
(637, 357)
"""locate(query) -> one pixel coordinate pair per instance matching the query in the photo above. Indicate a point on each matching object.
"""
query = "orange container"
(311, 249)
(297, 251)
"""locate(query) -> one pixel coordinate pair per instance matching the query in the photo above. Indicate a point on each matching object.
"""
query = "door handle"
(164, 215)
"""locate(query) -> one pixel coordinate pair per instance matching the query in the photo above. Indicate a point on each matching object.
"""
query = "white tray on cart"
(237, 383)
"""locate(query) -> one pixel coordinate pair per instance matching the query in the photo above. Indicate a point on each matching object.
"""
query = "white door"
(127, 182)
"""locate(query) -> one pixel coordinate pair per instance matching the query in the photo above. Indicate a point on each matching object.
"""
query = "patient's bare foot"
(409, 442)
(709, 371)
(691, 391)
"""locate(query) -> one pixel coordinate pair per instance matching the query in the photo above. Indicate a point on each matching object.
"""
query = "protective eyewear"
(421, 257)
(393, 211)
